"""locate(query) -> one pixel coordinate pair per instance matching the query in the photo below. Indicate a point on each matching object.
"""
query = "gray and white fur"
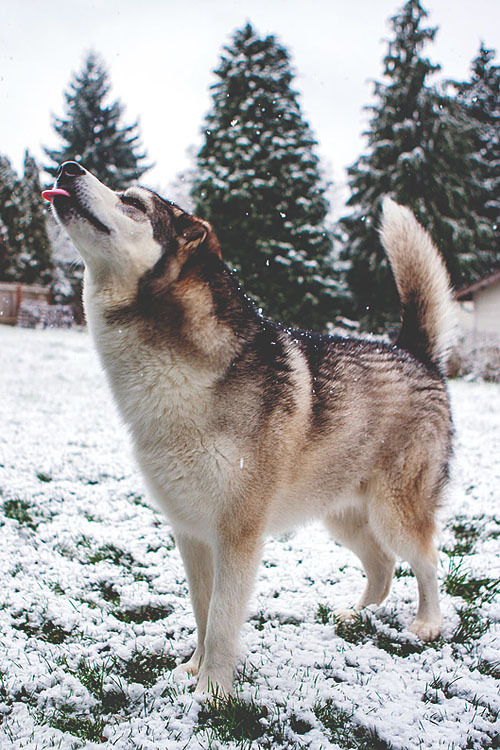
(243, 427)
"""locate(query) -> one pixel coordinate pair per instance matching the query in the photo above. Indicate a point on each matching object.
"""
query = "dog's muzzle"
(69, 199)
(65, 174)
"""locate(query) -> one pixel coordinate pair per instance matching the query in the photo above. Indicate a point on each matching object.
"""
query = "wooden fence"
(13, 296)
(28, 305)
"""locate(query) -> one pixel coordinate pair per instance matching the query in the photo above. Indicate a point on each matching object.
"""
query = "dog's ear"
(193, 232)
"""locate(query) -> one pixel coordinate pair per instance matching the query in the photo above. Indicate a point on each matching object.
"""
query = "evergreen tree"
(4, 251)
(420, 151)
(33, 257)
(259, 184)
(25, 254)
(92, 132)
(481, 99)
(67, 281)
(9, 219)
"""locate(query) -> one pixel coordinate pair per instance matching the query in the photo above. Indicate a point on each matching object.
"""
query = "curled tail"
(427, 306)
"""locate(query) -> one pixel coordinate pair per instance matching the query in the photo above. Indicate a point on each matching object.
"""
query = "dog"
(243, 427)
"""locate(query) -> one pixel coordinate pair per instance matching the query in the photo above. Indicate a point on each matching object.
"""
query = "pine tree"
(260, 185)
(25, 248)
(481, 99)
(67, 283)
(4, 251)
(9, 219)
(33, 261)
(420, 151)
(92, 132)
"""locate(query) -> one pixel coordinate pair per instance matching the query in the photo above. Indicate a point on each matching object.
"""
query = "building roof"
(468, 291)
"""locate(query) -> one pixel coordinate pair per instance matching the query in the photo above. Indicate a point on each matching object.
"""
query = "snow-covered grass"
(94, 609)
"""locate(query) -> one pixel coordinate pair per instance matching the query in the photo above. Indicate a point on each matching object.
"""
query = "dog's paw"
(346, 615)
(190, 667)
(215, 689)
(426, 630)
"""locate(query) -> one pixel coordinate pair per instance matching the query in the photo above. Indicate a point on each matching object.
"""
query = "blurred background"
(283, 123)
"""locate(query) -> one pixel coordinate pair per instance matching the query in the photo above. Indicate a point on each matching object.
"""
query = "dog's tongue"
(49, 195)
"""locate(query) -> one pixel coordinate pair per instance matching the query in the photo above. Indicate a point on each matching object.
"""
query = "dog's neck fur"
(193, 347)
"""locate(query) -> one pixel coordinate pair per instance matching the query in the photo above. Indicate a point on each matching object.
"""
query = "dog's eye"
(129, 200)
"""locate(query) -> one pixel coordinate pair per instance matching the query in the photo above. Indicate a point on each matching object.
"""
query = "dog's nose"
(70, 169)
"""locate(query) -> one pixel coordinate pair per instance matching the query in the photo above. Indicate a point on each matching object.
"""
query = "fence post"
(19, 298)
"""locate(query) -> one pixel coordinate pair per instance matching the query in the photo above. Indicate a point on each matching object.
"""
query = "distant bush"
(476, 355)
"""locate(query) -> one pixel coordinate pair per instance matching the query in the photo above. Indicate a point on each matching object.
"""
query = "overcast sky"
(160, 55)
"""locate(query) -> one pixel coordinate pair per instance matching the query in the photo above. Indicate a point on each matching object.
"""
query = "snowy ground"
(94, 608)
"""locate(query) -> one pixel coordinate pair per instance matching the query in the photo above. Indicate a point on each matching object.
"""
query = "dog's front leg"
(235, 563)
(197, 559)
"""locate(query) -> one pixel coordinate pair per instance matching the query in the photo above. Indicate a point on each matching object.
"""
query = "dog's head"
(151, 264)
(123, 235)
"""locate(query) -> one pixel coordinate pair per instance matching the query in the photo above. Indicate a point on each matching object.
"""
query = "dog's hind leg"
(197, 559)
(404, 518)
(352, 529)
(427, 624)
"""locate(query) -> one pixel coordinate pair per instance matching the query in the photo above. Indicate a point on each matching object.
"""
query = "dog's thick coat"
(243, 427)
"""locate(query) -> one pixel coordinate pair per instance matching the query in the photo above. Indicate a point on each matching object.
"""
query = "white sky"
(160, 55)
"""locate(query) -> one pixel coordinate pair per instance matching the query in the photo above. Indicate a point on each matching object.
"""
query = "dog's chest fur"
(168, 406)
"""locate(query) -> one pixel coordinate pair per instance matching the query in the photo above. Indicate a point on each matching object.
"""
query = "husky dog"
(242, 427)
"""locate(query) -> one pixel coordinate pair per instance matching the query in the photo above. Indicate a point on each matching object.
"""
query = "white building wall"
(487, 309)
(466, 318)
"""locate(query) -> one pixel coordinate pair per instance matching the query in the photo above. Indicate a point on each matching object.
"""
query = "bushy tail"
(428, 309)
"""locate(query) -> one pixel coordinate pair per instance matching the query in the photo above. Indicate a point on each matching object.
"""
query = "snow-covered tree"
(92, 131)
(480, 97)
(4, 251)
(259, 183)
(67, 282)
(9, 218)
(33, 257)
(26, 252)
(421, 152)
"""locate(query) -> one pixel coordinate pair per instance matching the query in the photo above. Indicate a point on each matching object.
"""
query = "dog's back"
(338, 419)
